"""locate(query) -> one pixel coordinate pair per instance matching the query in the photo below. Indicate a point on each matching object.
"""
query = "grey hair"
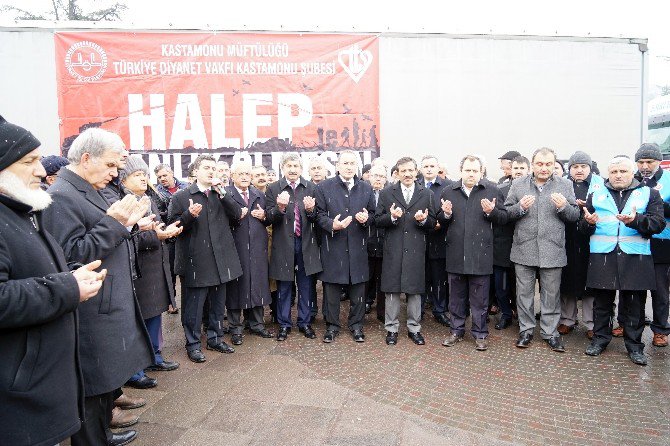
(290, 156)
(161, 167)
(429, 157)
(239, 164)
(348, 152)
(95, 142)
(316, 159)
(622, 160)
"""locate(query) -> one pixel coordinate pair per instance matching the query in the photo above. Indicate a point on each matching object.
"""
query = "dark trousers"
(252, 316)
(631, 310)
(304, 292)
(373, 290)
(659, 299)
(98, 414)
(464, 288)
(192, 305)
(154, 326)
(503, 290)
(331, 305)
(436, 285)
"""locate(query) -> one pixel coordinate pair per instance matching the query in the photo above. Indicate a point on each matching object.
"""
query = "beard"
(13, 187)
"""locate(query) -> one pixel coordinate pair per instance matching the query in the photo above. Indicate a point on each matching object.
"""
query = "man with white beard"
(41, 386)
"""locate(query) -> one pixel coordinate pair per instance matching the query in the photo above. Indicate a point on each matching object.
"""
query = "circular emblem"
(86, 61)
(637, 193)
(595, 187)
(658, 186)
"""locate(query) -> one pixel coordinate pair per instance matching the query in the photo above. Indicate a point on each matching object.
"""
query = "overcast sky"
(613, 18)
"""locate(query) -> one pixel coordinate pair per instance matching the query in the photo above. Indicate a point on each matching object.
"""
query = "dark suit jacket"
(114, 343)
(205, 253)
(437, 237)
(403, 266)
(344, 253)
(41, 386)
(283, 236)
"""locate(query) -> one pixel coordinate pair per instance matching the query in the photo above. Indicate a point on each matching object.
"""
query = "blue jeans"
(305, 300)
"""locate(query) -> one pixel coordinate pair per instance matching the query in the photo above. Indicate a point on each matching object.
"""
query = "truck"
(423, 93)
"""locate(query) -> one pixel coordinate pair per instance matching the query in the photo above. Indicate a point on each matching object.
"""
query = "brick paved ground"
(306, 392)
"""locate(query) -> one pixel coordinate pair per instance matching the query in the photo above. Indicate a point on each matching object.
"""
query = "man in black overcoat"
(114, 343)
(345, 207)
(469, 209)
(41, 385)
(250, 292)
(375, 244)
(291, 208)
(405, 209)
(205, 255)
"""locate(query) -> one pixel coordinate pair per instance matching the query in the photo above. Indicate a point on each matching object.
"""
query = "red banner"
(172, 96)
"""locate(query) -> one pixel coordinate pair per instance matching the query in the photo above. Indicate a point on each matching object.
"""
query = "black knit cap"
(15, 143)
(649, 151)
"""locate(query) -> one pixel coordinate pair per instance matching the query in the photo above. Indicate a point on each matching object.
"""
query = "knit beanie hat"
(15, 143)
(580, 157)
(649, 151)
(133, 164)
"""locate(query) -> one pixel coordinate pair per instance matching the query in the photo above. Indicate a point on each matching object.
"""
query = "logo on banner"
(86, 61)
(355, 61)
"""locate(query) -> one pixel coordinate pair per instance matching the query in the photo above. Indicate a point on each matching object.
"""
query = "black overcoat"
(344, 253)
(114, 343)
(469, 230)
(660, 248)
(617, 270)
(437, 237)
(205, 253)
(283, 236)
(153, 285)
(41, 386)
(375, 236)
(573, 276)
(403, 265)
(503, 235)
(252, 288)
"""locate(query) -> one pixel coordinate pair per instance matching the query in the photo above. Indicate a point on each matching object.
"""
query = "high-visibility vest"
(663, 188)
(611, 232)
(596, 180)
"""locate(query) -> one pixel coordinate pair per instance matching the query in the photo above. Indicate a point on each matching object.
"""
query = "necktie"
(206, 193)
(296, 213)
(245, 195)
(407, 196)
(376, 197)
(429, 184)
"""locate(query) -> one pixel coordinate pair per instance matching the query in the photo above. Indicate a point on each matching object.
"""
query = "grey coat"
(539, 234)
(114, 343)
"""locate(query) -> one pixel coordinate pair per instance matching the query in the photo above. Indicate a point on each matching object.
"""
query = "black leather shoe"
(164, 366)
(555, 344)
(264, 333)
(380, 319)
(417, 338)
(503, 323)
(442, 319)
(121, 438)
(283, 333)
(236, 339)
(196, 355)
(308, 331)
(594, 349)
(329, 336)
(524, 340)
(638, 358)
(391, 338)
(359, 336)
(221, 347)
(144, 382)
(368, 308)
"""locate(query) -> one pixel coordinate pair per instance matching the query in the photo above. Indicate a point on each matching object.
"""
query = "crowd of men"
(90, 253)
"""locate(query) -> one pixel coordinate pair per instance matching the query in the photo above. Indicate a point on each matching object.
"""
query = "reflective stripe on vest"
(611, 232)
(663, 188)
